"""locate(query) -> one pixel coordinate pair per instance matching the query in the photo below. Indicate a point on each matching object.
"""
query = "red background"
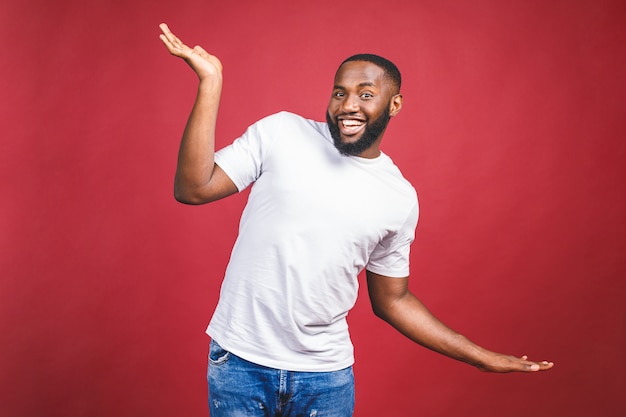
(512, 132)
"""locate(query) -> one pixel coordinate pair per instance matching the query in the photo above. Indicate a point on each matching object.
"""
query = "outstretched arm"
(198, 180)
(394, 303)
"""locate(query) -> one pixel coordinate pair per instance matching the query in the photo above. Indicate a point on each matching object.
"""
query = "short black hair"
(391, 70)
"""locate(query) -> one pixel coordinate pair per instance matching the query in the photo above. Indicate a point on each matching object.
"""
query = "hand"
(506, 363)
(204, 64)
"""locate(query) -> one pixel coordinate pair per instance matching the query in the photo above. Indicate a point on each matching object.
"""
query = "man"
(326, 204)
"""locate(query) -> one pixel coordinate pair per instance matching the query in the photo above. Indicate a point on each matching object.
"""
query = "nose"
(350, 104)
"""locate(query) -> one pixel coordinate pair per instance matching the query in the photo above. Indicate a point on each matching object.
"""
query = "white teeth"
(351, 123)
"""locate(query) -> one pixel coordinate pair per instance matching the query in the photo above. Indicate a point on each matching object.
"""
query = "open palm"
(203, 63)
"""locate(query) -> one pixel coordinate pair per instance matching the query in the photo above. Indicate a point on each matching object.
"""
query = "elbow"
(388, 309)
(198, 195)
(380, 312)
(188, 201)
(187, 197)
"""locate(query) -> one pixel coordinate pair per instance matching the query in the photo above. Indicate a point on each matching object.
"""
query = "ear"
(395, 105)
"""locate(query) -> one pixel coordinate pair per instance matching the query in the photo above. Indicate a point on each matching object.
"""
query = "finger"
(164, 28)
(173, 39)
(167, 33)
(201, 52)
(527, 366)
(174, 45)
(166, 41)
(173, 49)
(539, 366)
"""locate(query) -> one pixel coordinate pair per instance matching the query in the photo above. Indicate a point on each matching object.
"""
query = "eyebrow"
(363, 84)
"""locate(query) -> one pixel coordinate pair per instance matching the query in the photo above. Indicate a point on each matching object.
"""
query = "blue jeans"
(238, 388)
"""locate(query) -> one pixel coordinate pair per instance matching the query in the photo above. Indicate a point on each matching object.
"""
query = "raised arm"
(198, 180)
(394, 303)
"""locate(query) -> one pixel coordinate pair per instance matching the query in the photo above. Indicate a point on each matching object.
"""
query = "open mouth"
(351, 127)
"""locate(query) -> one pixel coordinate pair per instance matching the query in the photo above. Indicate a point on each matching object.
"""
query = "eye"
(367, 95)
(338, 94)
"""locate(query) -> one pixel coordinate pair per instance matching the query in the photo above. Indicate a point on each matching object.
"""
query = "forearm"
(394, 303)
(197, 148)
(198, 180)
(411, 318)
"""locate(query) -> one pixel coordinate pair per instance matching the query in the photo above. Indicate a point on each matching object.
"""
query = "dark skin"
(360, 94)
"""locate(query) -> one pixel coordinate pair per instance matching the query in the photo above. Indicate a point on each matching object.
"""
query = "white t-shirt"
(314, 219)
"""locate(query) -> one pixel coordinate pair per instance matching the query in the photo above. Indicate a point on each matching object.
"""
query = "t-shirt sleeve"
(243, 160)
(391, 255)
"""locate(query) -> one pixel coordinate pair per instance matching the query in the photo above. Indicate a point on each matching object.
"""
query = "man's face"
(360, 107)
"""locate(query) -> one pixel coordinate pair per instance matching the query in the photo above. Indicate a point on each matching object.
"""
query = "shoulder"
(283, 117)
(394, 171)
(292, 126)
(288, 118)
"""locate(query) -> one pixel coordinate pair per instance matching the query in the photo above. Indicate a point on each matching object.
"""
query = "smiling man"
(325, 204)
(365, 96)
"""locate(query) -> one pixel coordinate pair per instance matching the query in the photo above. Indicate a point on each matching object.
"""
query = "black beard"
(371, 134)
